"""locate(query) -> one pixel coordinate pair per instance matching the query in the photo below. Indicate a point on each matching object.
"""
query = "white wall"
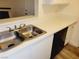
(72, 9)
(51, 6)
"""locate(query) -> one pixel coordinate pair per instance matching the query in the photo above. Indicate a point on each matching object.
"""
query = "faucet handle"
(22, 25)
(10, 29)
(15, 26)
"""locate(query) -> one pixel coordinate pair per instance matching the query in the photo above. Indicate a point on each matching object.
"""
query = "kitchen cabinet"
(24, 53)
(42, 49)
(38, 50)
(74, 34)
(50, 2)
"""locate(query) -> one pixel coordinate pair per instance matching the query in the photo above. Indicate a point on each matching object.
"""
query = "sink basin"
(11, 39)
(28, 32)
(6, 35)
(8, 40)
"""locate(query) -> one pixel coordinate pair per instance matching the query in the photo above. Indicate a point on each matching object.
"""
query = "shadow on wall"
(54, 8)
(72, 9)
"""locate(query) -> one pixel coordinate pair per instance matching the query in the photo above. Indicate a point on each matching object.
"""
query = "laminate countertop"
(49, 23)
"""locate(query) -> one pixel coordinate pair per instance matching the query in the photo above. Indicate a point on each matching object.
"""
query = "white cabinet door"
(75, 35)
(24, 53)
(69, 34)
(38, 50)
(42, 49)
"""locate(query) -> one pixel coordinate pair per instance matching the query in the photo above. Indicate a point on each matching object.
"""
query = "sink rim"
(9, 36)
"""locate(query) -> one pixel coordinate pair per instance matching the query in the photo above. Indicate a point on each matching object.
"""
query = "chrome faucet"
(22, 25)
(10, 29)
(15, 27)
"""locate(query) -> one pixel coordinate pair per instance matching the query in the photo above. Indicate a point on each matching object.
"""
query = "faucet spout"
(10, 29)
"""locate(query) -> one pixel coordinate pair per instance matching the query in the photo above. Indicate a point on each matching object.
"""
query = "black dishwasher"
(58, 42)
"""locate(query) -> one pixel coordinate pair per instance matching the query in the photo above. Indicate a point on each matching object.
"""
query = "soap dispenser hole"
(11, 45)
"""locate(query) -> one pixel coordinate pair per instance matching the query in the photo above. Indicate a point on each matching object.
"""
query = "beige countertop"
(50, 23)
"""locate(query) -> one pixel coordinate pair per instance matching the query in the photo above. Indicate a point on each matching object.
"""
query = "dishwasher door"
(58, 42)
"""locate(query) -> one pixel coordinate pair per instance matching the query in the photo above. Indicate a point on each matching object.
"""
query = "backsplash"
(11, 24)
(53, 8)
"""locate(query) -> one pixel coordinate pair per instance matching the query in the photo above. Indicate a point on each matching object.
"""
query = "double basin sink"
(10, 39)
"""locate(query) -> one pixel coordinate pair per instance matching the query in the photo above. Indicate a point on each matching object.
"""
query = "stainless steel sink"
(8, 40)
(28, 32)
(11, 39)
